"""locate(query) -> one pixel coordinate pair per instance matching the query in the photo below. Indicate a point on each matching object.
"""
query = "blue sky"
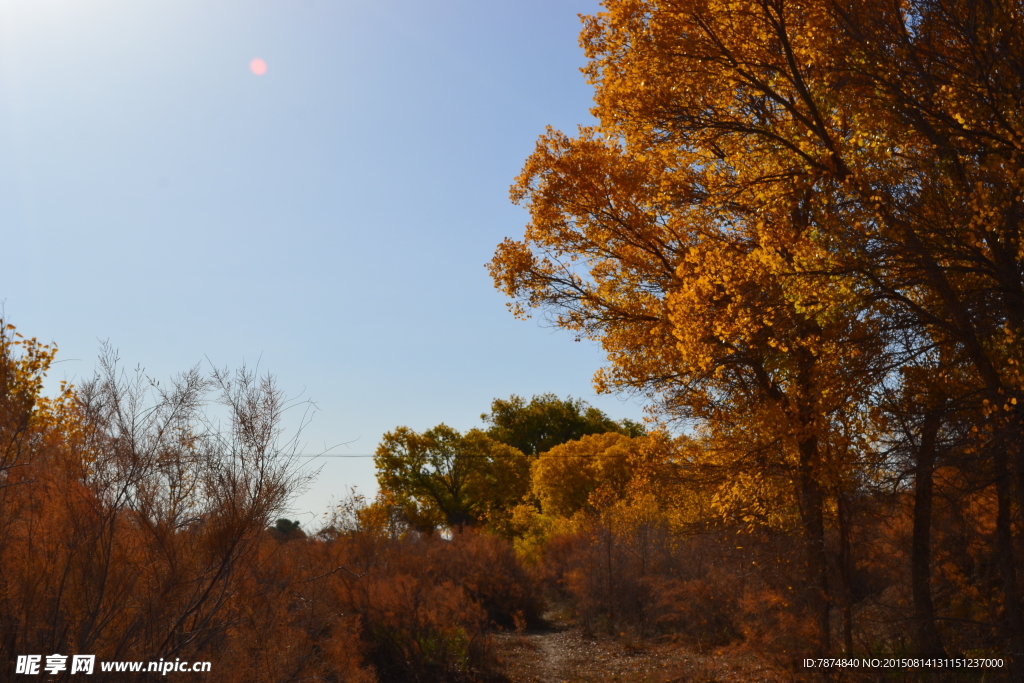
(329, 220)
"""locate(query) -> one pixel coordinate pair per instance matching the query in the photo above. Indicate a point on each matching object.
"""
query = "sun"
(258, 66)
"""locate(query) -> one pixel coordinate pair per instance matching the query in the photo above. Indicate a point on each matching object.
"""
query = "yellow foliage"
(565, 478)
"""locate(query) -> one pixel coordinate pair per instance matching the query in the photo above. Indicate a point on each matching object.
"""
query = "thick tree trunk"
(813, 521)
(926, 635)
(845, 570)
(1007, 566)
(811, 496)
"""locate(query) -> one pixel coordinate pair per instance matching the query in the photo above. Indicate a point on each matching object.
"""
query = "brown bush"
(638, 578)
(132, 527)
(424, 604)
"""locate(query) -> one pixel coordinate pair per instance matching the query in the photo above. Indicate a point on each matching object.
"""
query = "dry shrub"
(704, 588)
(133, 523)
(418, 629)
(639, 578)
(424, 604)
(134, 526)
(487, 568)
(703, 609)
(770, 622)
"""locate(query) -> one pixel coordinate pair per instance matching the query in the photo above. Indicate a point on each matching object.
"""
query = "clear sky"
(329, 219)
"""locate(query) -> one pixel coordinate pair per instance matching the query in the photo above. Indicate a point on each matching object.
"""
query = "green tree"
(285, 529)
(445, 478)
(547, 421)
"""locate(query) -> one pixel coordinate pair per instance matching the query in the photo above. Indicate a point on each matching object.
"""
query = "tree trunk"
(926, 635)
(812, 502)
(813, 521)
(1005, 550)
(845, 566)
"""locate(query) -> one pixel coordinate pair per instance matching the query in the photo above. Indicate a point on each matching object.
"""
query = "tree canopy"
(796, 226)
(442, 477)
(566, 477)
(546, 421)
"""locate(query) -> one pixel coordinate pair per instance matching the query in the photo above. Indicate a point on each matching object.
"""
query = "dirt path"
(561, 653)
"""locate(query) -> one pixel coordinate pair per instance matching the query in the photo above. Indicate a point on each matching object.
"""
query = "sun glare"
(258, 66)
